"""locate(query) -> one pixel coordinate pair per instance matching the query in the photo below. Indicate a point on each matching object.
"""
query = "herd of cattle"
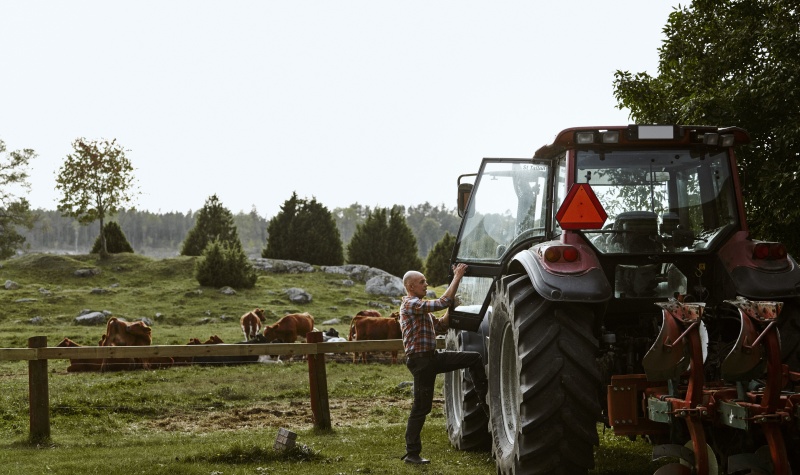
(365, 325)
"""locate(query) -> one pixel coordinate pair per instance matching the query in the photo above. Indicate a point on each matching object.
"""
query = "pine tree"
(304, 231)
(385, 243)
(116, 242)
(316, 238)
(278, 230)
(213, 222)
(437, 265)
(403, 251)
(369, 245)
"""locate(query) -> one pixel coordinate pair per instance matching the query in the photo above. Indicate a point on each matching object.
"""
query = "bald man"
(420, 327)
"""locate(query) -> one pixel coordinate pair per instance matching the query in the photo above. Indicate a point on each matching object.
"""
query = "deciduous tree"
(734, 63)
(95, 180)
(14, 210)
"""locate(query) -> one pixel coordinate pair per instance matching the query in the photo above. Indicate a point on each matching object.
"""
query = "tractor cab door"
(506, 211)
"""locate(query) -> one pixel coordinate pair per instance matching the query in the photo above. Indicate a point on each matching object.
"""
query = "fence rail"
(38, 353)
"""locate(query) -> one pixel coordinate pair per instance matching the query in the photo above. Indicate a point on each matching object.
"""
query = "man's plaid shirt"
(418, 323)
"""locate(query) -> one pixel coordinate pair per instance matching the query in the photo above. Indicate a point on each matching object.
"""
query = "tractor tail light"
(555, 254)
(769, 250)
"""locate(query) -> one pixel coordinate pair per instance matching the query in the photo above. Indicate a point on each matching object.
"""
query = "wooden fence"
(38, 353)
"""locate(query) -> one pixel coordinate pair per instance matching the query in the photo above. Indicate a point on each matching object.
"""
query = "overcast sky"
(374, 102)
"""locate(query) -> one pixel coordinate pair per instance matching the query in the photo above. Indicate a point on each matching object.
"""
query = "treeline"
(161, 235)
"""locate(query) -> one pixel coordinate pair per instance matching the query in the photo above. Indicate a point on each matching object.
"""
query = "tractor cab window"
(672, 201)
(508, 205)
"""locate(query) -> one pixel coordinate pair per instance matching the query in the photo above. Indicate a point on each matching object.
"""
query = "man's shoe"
(416, 459)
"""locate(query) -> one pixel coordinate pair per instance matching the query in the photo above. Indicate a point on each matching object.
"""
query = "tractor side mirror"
(464, 193)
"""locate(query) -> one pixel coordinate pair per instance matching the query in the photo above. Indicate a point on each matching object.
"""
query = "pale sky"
(369, 101)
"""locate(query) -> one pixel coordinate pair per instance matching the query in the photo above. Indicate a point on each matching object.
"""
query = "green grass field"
(211, 419)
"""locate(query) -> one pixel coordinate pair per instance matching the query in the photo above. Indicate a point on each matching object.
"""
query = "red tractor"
(612, 279)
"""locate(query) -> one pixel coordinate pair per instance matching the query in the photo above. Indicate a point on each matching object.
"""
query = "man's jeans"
(425, 370)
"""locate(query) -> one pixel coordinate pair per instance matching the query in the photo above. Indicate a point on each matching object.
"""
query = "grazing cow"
(251, 323)
(222, 360)
(76, 365)
(187, 360)
(213, 340)
(290, 328)
(121, 333)
(375, 328)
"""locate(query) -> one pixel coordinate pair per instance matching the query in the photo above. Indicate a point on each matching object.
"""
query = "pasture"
(211, 419)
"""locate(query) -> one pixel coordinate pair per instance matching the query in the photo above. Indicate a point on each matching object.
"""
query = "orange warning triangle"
(581, 209)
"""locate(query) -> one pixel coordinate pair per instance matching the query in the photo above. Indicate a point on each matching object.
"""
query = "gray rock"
(36, 320)
(430, 294)
(333, 321)
(98, 291)
(91, 318)
(147, 321)
(86, 272)
(297, 295)
(279, 266)
(380, 305)
(348, 283)
(385, 284)
(227, 291)
(45, 292)
(11, 285)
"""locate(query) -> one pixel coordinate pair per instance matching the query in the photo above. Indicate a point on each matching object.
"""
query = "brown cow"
(376, 328)
(251, 323)
(121, 333)
(290, 328)
(76, 365)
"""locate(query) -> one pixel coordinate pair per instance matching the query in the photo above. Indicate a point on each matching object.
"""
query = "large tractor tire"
(467, 423)
(543, 380)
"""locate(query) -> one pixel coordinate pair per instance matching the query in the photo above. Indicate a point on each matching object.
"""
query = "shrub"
(116, 242)
(224, 264)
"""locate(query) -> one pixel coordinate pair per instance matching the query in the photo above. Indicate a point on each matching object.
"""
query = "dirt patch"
(293, 415)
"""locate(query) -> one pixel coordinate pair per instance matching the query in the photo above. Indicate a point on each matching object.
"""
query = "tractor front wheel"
(467, 424)
(543, 380)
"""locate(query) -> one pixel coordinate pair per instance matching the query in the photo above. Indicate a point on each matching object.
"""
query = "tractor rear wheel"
(467, 424)
(543, 380)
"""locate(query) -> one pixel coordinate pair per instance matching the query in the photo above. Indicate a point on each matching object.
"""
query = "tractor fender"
(590, 285)
(758, 280)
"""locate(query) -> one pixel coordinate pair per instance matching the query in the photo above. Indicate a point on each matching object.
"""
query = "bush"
(223, 264)
(116, 242)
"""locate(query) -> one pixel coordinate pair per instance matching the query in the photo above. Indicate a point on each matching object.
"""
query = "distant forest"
(161, 235)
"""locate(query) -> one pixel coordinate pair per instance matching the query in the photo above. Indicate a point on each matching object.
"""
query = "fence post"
(318, 383)
(38, 393)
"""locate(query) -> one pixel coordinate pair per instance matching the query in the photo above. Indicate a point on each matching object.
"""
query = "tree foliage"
(213, 222)
(14, 211)
(95, 181)
(224, 263)
(437, 265)
(734, 63)
(304, 230)
(116, 242)
(385, 241)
